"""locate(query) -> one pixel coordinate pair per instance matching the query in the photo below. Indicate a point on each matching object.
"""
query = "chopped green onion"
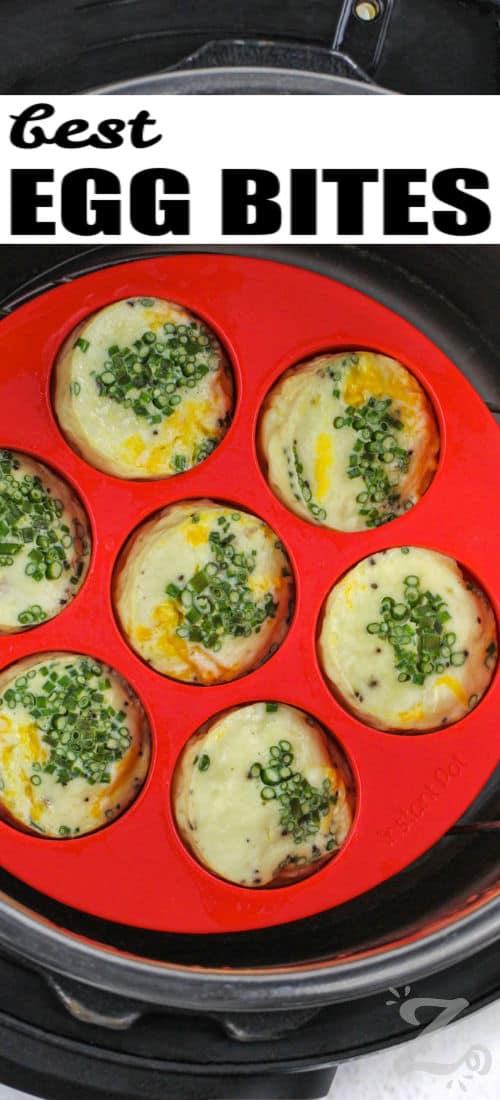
(414, 630)
(82, 344)
(30, 523)
(217, 600)
(302, 807)
(152, 377)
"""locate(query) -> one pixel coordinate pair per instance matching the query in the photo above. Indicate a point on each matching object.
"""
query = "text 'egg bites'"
(348, 441)
(74, 745)
(44, 543)
(204, 592)
(261, 795)
(407, 641)
(143, 389)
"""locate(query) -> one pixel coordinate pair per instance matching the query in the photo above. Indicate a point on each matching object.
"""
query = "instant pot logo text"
(435, 787)
(127, 178)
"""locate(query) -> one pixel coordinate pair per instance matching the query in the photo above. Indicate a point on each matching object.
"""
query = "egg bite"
(262, 796)
(44, 543)
(143, 389)
(203, 592)
(348, 441)
(408, 641)
(74, 745)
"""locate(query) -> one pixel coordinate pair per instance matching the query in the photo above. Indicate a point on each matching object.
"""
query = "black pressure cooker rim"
(202, 989)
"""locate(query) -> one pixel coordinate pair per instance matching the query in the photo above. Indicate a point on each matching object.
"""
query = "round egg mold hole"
(197, 504)
(338, 759)
(315, 516)
(406, 728)
(410, 789)
(150, 460)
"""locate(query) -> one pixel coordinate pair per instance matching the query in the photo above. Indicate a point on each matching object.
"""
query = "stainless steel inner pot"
(241, 81)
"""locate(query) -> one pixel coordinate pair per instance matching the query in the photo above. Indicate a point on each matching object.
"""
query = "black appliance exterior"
(415, 46)
(451, 293)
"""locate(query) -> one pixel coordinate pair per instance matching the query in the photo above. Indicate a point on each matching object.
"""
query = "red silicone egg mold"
(410, 789)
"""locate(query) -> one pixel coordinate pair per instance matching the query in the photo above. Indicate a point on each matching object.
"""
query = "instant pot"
(93, 1009)
(264, 46)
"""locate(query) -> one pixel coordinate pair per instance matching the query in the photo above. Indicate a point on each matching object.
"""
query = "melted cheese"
(299, 421)
(133, 448)
(170, 549)
(220, 813)
(78, 805)
(113, 438)
(411, 716)
(455, 687)
(371, 377)
(196, 534)
(360, 666)
(323, 464)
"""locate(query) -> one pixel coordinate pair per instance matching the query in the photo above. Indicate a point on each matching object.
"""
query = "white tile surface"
(461, 1060)
(458, 1062)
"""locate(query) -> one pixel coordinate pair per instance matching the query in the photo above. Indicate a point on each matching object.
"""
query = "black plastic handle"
(362, 30)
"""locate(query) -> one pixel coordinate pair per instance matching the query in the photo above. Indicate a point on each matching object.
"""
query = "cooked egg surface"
(259, 797)
(349, 441)
(407, 641)
(203, 592)
(143, 389)
(74, 745)
(44, 543)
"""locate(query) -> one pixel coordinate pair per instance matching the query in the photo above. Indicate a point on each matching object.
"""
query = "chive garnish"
(153, 375)
(30, 519)
(82, 730)
(82, 344)
(375, 450)
(302, 806)
(300, 486)
(204, 762)
(32, 615)
(414, 629)
(217, 601)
